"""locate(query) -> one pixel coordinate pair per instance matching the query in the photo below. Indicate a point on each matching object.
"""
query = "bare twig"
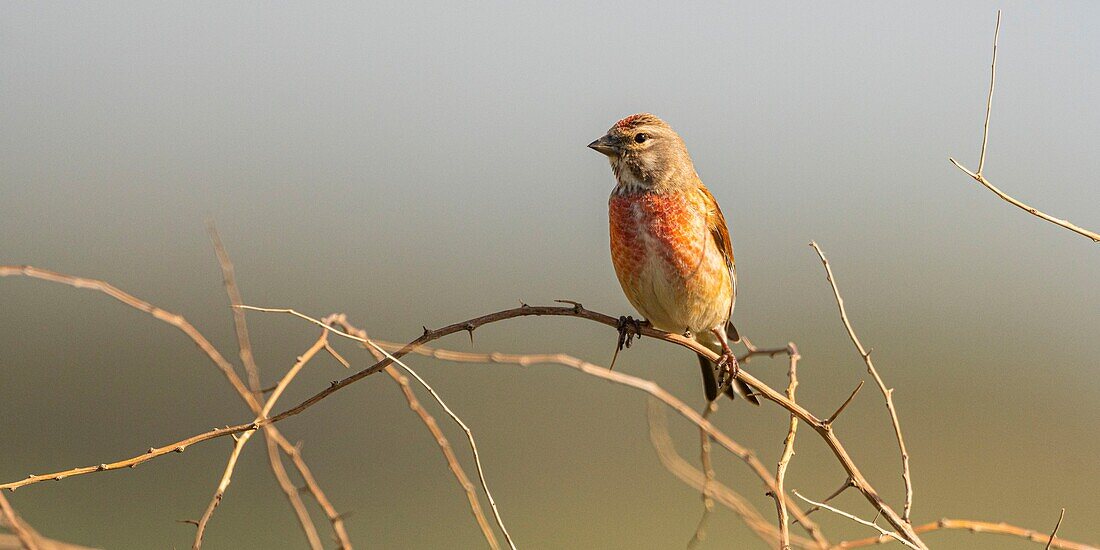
(437, 434)
(227, 475)
(890, 534)
(141, 305)
(823, 430)
(446, 408)
(22, 531)
(788, 452)
(832, 417)
(847, 485)
(748, 456)
(211, 352)
(1050, 541)
(708, 471)
(240, 324)
(973, 526)
(671, 460)
(888, 394)
(980, 178)
(272, 437)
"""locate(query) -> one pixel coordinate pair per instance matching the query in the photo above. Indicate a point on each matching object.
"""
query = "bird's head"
(645, 154)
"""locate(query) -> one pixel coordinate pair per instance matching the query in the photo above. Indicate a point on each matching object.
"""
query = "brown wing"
(716, 223)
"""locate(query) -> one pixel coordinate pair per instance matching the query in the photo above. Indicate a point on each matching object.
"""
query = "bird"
(670, 245)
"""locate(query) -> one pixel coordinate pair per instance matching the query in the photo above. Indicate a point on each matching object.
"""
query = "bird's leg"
(727, 365)
(629, 328)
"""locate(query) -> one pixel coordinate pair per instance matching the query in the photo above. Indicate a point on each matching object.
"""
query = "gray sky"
(418, 164)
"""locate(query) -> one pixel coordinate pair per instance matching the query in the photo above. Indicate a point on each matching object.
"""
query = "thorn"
(151, 450)
(523, 304)
(577, 307)
(334, 383)
(470, 328)
(101, 467)
(426, 331)
(58, 478)
(190, 521)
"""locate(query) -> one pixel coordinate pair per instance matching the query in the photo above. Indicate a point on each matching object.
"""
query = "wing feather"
(716, 223)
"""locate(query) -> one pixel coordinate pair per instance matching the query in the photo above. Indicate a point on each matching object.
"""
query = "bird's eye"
(640, 138)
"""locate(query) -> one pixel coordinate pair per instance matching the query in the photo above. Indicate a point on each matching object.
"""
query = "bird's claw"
(728, 369)
(629, 328)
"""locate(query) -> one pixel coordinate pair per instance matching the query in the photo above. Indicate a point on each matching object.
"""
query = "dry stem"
(978, 527)
(272, 438)
(227, 475)
(708, 471)
(888, 394)
(980, 178)
(433, 427)
(884, 532)
(788, 452)
(682, 469)
(15, 523)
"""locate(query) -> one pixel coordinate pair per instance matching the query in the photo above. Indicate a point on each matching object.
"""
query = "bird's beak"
(606, 145)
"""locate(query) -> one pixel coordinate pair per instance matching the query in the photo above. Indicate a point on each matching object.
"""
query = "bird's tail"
(710, 370)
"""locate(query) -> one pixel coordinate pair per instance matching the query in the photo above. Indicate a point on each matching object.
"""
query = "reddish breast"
(649, 226)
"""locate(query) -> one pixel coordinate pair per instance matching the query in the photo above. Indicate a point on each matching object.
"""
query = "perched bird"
(670, 244)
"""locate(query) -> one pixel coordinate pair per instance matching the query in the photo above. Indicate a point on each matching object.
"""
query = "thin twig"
(469, 438)
(989, 98)
(788, 452)
(179, 322)
(832, 417)
(1040, 537)
(847, 485)
(682, 469)
(227, 475)
(141, 305)
(272, 437)
(748, 456)
(700, 533)
(890, 534)
(240, 324)
(15, 523)
(437, 434)
(888, 394)
(765, 391)
(1050, 541)
(980, 178)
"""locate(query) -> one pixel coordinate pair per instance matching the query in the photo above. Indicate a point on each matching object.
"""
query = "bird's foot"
(629, 328)
(728, 369)
(727, 364)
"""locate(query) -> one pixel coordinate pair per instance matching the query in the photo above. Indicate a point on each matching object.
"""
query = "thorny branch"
(724, 496)
(273, 439)
(856, 519)
(977, 527)
(788, 452)
(888, 394)
(433, 427)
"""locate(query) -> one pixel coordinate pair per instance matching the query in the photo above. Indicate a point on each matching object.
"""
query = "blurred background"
(422, 163)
